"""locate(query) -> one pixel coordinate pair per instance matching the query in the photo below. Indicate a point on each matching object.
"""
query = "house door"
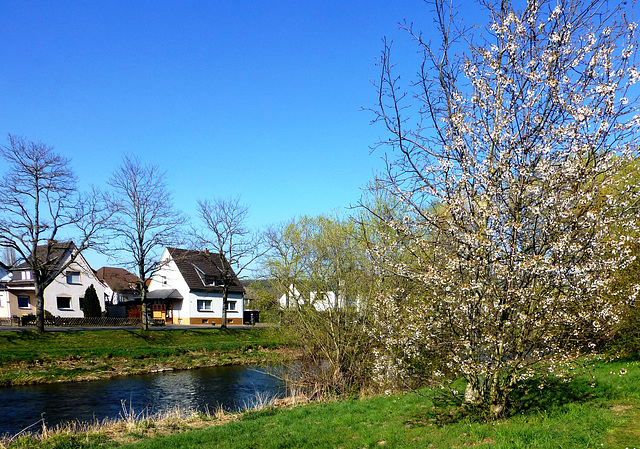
(162, 311)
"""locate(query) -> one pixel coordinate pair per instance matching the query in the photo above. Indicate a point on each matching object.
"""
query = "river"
(232, 387)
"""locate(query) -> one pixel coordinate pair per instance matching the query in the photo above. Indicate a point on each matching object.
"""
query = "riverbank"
(600, 409)
(27, 357)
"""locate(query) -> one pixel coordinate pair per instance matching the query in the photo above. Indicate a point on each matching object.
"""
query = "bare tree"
(225, 233)
(146, 220)
(40, 205)
(512, 177)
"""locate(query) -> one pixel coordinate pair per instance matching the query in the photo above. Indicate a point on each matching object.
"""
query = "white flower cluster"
(517, 198)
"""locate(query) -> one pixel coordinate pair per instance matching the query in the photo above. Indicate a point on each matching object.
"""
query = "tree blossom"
(520, 212)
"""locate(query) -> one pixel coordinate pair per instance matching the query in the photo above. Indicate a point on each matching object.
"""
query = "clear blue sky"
(260, 99)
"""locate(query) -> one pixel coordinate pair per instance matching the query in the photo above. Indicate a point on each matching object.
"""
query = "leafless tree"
(40, 205)
(146, 220)
(226, 234)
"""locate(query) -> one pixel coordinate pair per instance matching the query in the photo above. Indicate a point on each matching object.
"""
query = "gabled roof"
(119, 279)
(196, 267)
(50, 254)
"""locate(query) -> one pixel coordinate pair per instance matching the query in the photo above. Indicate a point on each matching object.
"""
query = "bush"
(627, 337)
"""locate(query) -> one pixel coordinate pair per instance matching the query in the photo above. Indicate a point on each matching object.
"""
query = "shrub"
(91, 305)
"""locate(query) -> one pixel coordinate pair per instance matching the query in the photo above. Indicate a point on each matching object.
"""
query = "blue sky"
(257, 99)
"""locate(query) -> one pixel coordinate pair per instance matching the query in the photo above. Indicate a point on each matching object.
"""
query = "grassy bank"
(28, 357)
(602, 411)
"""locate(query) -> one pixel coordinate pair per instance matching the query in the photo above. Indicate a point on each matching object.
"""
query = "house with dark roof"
(187, 289)
(64, 296)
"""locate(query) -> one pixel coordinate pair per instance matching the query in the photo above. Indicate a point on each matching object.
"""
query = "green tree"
(323, 272)
(91, 303)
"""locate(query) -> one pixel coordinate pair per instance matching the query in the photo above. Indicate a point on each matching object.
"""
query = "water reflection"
(231, 387)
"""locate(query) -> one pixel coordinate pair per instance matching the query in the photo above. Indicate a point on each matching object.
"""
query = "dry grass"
(133, 426)
(130, 427)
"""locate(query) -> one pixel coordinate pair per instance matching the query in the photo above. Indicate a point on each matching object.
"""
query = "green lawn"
(604, 412)
(29, 357)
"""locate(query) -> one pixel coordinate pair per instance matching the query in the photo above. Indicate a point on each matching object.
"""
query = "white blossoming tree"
(512, 178)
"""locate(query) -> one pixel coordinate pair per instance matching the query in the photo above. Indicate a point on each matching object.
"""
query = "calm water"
(232, 387)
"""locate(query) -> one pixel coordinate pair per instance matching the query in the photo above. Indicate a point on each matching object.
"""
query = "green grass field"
(587, 413)
(29, 357)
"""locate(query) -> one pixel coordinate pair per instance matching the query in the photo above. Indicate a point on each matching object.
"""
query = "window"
(25, 275)
(208, 279)
(163, 279)
(231, 305)
(73, 277)
(204, 305)
(64, 302)
(23, 302)
(159, 306)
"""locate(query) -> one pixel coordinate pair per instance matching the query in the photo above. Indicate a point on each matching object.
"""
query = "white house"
(5, 277)
(321, 301)
(64, 296)
(187, 289)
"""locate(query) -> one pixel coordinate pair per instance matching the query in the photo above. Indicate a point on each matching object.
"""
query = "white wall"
(169, 277)
(5, 310)
(59, 288)
(188, 307)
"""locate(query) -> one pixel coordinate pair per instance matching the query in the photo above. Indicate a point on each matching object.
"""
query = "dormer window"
(25, 275)
(208, 280)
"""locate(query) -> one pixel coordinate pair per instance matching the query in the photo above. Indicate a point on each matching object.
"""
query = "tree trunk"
(225, 295)
(39, 306)
(145, 311)
(473, 394)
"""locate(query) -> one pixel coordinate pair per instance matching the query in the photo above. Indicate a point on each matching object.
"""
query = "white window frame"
(58, 298)
(71, 277)
(205, 305)
(28, 302)
(230, 304)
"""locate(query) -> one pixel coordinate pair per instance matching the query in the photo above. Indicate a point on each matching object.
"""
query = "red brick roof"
(118, 279)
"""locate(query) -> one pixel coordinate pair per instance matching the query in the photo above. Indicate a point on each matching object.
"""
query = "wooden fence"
(30, 320)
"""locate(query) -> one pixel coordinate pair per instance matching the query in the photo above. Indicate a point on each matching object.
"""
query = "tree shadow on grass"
(23, 335)
(550, 392)
(541, 394)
